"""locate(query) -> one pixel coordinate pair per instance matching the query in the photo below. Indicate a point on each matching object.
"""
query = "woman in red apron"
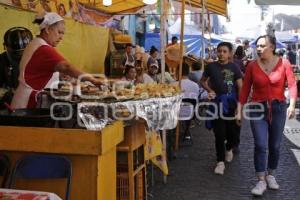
(40, 61)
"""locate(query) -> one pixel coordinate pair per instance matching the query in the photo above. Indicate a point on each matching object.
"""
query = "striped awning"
(131, 6)
(214, 6)
(118, 6)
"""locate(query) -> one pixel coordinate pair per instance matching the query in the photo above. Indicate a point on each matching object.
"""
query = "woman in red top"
(267, 77)
(40, 60)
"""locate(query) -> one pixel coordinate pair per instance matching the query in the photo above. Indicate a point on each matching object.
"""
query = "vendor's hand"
(97, 81)
(211, 95)
(291, 112)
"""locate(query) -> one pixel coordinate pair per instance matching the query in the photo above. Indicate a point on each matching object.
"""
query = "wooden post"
(203, 27)
(162, 38)
(162, 53)
(181, 39)
(180, 63)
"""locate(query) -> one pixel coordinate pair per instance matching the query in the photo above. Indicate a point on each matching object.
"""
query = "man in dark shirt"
(15, 41)
(225, 82)
(291, 56)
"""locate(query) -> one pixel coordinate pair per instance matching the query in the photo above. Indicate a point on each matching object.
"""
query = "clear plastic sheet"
(159, 113)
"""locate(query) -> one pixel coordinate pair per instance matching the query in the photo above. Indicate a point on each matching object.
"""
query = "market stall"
(92, 154)
(77, 36)
(93, 151)
(157, 105)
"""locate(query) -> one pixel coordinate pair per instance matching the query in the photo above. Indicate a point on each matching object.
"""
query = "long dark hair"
(239, 52)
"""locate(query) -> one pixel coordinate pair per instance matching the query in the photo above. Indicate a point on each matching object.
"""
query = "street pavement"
(192, 178)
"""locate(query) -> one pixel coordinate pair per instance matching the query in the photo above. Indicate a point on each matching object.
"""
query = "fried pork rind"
(155, 90)
(65, 88)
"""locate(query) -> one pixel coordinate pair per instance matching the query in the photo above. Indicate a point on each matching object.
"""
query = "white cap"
(49, 19)
(154, 65)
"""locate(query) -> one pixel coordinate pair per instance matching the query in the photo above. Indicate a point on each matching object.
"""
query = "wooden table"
(92, 153)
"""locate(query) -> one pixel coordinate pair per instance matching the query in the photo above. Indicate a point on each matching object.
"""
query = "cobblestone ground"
(192, 178)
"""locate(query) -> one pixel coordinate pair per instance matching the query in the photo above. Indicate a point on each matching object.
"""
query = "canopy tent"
(192, 42)
(214, 39)
(279, 45)
(255, 32)
(131, 6)
(286, 37)
(277, 2)
(193, 30)
(215, 6)
(117, 7)
(281, 36)
(188, 29)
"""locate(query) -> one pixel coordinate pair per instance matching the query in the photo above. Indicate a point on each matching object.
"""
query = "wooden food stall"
(131, 166)
(92, 153)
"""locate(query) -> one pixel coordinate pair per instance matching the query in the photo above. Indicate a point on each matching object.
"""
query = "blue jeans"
(267, 133)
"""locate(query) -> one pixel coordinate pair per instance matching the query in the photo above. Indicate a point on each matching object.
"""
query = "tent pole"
(162, 57)
(162, 38)
(180, 63)
(181, 40)
(203, 27)
(209, 33)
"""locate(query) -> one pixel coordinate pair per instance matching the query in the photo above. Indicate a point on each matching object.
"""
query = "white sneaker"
(272, 184)
(220, 168)
(229, 156)
(260, 188)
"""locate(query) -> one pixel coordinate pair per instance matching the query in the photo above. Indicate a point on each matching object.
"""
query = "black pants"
(225, 130)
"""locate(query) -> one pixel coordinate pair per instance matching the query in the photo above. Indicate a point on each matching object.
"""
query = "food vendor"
(41, 60)
(128, 57)
(129, 74)
(151, 75)
(153, 56)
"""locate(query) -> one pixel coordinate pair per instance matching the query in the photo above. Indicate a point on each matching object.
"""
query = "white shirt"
(168, 78)
(249, 53)
(147, 78)
(190, 88)
(190, 91)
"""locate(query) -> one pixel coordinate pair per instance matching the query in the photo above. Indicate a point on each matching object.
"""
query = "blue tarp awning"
(193, 43)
